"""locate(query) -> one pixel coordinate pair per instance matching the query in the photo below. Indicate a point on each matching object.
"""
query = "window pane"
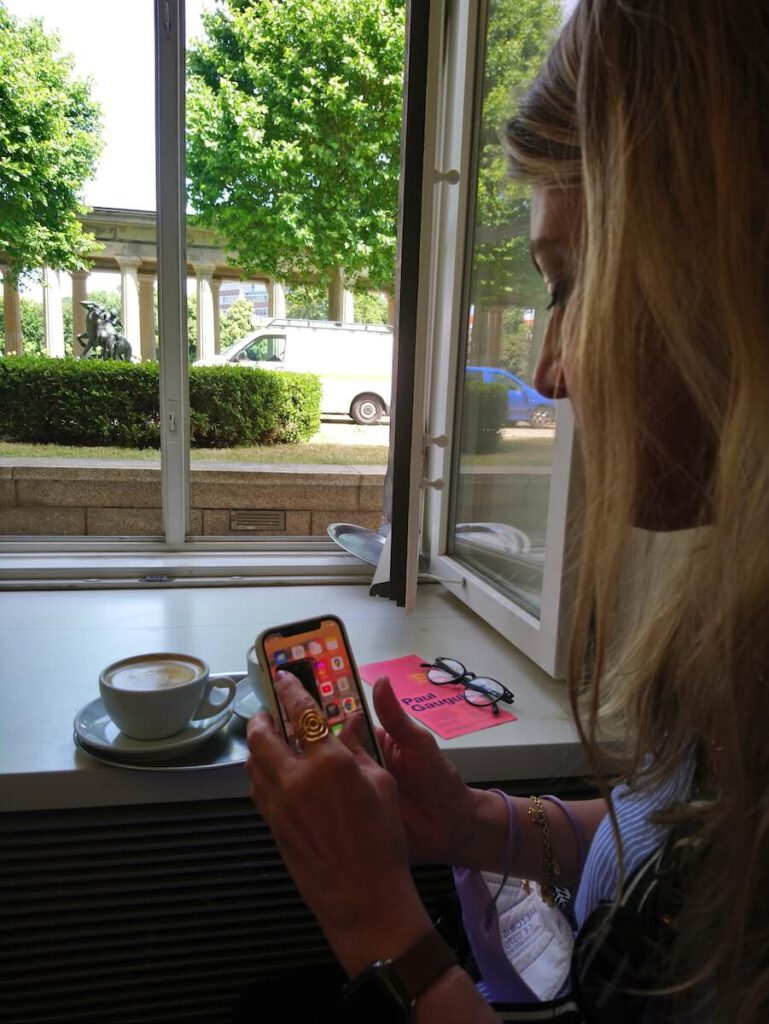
(293, 137)
(80, 435)
(501, 476)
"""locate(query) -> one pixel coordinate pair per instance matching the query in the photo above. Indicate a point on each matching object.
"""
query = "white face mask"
(536, 938)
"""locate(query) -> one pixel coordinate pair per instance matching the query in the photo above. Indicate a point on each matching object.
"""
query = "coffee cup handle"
(208, 708)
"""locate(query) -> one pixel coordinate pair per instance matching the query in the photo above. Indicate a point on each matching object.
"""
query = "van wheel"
(367, 409)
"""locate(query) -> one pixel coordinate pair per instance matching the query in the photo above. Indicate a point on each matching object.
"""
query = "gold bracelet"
(538, 815)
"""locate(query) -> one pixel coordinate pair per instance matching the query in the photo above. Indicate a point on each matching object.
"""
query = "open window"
(493, 477)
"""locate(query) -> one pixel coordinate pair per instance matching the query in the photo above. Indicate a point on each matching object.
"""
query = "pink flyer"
(441, 708)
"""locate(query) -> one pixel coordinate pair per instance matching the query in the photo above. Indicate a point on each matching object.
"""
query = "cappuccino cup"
(151, 696)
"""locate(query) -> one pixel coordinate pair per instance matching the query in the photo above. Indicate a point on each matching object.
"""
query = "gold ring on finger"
(311, 727)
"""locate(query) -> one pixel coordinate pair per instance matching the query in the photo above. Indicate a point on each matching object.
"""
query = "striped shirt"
(640, 837)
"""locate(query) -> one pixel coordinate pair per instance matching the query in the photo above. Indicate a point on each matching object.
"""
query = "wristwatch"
(386, 992)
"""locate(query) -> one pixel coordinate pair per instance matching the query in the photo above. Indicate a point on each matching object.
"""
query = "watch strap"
(427, 959)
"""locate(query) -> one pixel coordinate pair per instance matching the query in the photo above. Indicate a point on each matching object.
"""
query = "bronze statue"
(101, 338)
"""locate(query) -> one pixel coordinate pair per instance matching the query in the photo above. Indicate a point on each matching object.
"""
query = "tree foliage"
(519, 35)
(293, 124)
(306, 302)
(49, 144)
(236, 323)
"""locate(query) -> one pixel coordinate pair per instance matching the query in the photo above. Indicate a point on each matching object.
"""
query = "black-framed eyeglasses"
(480, 691)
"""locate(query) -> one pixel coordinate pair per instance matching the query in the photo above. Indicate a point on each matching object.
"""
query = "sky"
(114, 45)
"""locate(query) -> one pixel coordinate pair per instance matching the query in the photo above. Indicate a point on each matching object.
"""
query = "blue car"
(523, 402)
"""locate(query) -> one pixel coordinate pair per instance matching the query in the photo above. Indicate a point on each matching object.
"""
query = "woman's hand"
(335, 816)
(436, 806)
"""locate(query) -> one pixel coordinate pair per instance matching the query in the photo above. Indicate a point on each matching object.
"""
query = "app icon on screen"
(343, 683)
(326, 689)
(332, 710)
(337, 663)
(336, 729)
(297, 652)
(321, 667)
(314, 647)
(280, 657)
(332, 643)
(349, 704)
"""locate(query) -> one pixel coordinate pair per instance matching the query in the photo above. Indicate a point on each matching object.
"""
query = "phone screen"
(318, 656)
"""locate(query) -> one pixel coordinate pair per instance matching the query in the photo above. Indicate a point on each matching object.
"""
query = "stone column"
(391, 310)
(216, 284)
(276, 299)
(537, 339)
(52, 313)
(493, 337)
(79, 294)
(129, 300)
(205, 336)
(12, 308)
(146, 315)
(348, 307)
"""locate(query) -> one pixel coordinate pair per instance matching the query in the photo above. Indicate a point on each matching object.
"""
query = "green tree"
(49, 144)
(236, 323)
(519, 35)
(370, 309)
(306, 302)
(293, 128)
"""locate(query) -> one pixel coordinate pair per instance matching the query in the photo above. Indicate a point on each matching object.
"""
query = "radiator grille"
(155, 913)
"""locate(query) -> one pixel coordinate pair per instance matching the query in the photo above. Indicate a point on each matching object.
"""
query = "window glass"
(293, 141)
(300, 453)
(501, 476)
(80, 425)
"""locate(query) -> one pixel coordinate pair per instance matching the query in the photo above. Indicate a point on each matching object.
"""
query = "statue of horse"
(101, 333)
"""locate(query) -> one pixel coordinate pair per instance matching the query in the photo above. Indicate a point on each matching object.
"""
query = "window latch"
(450, 177)
(439, 440)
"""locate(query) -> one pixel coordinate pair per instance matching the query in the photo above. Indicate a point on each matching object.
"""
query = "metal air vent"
(264, 519)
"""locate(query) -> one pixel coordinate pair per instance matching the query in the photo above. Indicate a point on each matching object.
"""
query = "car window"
(267, 348)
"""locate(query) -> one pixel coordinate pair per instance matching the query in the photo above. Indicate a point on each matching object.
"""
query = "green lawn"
(511, 452)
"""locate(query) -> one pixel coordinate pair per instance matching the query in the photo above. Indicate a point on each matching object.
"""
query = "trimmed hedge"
(484, 414)
(99, 402)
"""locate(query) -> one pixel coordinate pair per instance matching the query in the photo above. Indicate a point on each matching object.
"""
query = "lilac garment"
(500, 981)
(639, 838)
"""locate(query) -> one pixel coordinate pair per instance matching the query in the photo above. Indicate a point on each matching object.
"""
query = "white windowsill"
(53, 644)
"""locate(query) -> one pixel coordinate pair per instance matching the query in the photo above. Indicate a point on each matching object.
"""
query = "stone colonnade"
(137, 293)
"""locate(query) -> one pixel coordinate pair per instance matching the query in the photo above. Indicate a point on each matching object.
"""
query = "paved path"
(342, 431)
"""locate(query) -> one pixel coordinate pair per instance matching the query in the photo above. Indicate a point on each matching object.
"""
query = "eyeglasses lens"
(484, 691)
(446, 670)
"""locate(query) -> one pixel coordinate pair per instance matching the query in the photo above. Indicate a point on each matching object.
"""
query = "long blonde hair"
(659, 111)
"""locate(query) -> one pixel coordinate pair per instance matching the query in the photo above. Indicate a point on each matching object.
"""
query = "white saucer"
(95, 729)
(246, 702)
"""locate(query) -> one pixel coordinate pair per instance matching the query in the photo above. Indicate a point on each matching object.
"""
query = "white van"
(353, 361)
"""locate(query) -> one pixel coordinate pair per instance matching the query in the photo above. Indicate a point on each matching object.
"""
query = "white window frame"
(544, 639)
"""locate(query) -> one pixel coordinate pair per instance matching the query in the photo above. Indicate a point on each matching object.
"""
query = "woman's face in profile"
(675, 457)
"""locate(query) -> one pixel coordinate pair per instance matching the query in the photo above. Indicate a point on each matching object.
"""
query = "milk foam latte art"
(152, 675)
(152, 696)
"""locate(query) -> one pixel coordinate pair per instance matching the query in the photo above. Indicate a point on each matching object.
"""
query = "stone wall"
(89, 497)
(101, 498)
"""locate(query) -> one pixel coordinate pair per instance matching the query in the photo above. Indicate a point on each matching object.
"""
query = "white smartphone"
(318, 653)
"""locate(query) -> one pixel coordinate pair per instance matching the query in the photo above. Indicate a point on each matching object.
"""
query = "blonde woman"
(647, 142)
